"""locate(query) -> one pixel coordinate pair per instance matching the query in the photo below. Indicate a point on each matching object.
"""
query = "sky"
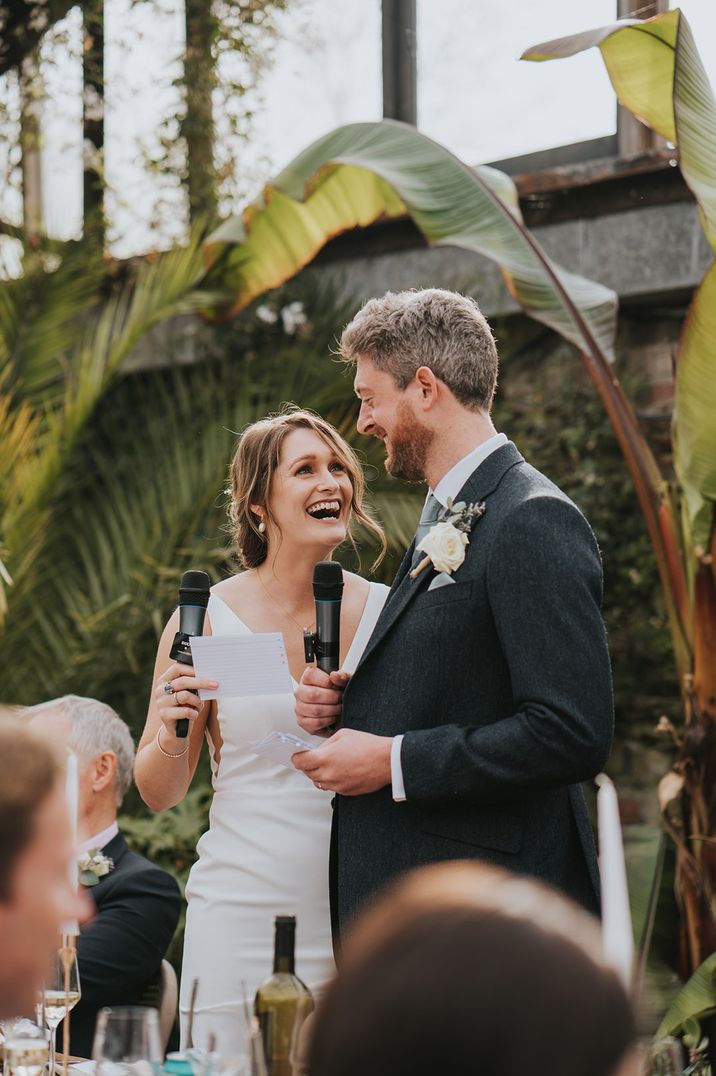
(474, 95)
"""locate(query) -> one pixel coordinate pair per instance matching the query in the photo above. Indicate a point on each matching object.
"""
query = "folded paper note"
(279, 747)
(242, 665)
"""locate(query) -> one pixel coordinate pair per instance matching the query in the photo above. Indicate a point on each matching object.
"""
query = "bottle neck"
(284, 956)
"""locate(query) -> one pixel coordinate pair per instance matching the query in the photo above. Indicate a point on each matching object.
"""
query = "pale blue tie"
(429, 518)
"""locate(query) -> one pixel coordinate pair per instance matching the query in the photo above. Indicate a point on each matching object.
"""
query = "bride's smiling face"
(310, 495)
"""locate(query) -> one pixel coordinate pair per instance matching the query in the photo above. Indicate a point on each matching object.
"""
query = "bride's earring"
(262, 527)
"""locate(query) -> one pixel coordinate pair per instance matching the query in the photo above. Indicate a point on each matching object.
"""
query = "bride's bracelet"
(168, 753)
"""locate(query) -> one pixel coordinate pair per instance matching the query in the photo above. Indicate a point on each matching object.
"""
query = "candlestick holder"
(68, 954)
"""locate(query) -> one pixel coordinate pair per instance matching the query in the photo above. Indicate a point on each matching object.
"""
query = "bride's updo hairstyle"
(255, 461)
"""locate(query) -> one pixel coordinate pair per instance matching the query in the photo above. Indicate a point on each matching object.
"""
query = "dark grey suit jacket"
(501, 684)
(122, 947)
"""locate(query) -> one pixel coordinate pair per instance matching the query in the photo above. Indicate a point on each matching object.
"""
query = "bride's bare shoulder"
(356, 586)
(233, 587)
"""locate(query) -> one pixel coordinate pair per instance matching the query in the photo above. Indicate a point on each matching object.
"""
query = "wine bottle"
(282, 1002)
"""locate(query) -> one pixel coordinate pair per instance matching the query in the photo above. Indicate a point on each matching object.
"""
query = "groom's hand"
(319, 700)
(352, 763)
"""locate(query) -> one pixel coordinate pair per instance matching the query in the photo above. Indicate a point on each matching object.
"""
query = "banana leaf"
(657, 73)
(366, 172)
(695, 1001)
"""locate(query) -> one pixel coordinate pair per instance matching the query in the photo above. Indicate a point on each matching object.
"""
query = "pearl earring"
(262, 527)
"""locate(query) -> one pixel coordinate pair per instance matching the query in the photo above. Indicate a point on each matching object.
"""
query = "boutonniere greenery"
(445, 544)
(93, 866)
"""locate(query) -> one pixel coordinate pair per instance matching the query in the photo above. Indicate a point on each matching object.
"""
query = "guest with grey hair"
(137, 904)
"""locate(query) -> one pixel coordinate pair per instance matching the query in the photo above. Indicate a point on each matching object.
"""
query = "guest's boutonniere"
(93, 866)
(445, 544)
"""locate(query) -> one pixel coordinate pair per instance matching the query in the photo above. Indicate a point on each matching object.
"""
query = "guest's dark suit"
(501, 683)
(138, 908)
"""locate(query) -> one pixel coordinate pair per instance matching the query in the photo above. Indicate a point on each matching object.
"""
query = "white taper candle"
(617, 934)
(72, 797)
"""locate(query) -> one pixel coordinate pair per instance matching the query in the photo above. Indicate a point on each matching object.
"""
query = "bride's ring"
(169, 688)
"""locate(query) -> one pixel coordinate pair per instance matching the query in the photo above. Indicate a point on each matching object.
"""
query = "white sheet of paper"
(279, 746)
(242, 665)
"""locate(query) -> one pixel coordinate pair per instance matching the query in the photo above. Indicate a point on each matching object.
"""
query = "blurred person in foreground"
(136, 903)
(35, 851)
(467, 969)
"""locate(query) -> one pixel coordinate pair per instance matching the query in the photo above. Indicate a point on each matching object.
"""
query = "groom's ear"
(427, 384)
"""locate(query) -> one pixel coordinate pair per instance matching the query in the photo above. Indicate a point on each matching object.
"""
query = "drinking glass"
(26, 1048)
(661, 1057)
(127, 1042)
(60, 994)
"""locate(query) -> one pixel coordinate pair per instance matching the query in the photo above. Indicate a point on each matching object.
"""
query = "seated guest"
(465, 969)
(35, 852)
(137, 904)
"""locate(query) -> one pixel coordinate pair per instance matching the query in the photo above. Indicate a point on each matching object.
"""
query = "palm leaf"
(163, 288)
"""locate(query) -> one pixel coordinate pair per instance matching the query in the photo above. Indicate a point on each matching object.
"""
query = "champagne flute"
(60, 994)
(127, 1041)
(26, 1048)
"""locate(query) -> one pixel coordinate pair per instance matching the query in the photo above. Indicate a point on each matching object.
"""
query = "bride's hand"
(176, 698)
(319, 700)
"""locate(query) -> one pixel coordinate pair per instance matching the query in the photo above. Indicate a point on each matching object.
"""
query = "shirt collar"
(451, 483)
(100, 840)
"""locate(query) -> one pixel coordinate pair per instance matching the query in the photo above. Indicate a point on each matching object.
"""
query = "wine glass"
(127, 1041)
(60, 994)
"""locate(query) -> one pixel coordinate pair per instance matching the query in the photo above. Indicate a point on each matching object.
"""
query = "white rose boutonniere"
(445, 544)
(93, 866)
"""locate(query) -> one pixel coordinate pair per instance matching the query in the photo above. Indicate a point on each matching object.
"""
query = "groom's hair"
(442, 330)
(29, 772)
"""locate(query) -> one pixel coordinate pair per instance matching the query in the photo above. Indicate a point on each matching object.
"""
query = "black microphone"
(193, 600)
(324, 645)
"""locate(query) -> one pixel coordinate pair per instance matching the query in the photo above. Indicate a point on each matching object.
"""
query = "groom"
(484, 696)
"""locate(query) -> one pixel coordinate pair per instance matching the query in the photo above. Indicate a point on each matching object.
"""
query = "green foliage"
(547, 404)
(695, 1002)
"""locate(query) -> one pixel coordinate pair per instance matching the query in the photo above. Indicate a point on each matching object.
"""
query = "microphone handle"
(181, 652)
(328, 629)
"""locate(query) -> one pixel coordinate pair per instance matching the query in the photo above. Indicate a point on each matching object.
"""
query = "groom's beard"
(409, 447)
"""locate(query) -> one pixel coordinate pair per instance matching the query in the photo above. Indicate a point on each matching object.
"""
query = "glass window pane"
(476, 96)
(61, 71)
(326, 72)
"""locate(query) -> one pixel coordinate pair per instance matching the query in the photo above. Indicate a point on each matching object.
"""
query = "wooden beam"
(31, 95)
(634, 138)
(93, 120)
(400, 78)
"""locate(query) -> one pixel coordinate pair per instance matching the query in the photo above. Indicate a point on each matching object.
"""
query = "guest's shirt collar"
(451, 483)
(100, 840)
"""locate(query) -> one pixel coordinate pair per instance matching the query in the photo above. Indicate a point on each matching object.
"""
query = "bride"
(295, 488)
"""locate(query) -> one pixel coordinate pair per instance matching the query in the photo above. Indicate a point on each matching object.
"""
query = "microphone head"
(194, 589)
(327, 581)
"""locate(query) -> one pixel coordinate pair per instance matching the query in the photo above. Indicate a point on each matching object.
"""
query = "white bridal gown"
(265, 854)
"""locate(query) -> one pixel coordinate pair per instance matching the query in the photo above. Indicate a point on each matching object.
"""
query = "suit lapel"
(402, 570)
(115, 849)
(481, 483)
